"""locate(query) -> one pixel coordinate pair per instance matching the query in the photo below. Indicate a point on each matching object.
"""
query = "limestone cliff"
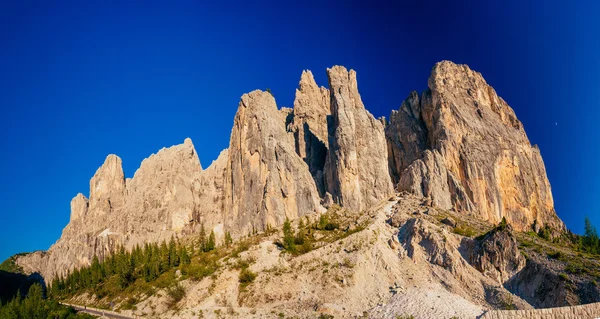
(153, 205)
(357, 166)
(309, 126)
(458, 144)
(265, 180)
(462, 146)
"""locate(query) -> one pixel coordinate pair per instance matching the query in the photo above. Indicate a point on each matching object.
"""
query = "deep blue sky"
(82, 79)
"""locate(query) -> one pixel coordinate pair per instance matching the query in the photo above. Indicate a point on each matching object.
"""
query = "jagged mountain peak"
(457, 144)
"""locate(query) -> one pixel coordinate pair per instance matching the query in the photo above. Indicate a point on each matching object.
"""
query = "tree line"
(35, 306)
(590, 242)
(123, 267)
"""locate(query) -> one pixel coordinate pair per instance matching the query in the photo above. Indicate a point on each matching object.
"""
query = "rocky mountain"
(463, 147)
(457, 144)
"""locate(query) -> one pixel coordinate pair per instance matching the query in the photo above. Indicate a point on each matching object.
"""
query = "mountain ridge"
(280, 165)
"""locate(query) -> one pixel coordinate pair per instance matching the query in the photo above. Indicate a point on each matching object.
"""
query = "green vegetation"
(123, 269)
(175, 293)
(10, 265)
(246, 277)
(503, 224)
(288, 237)
(464, 231)
(589, 242)
(545, 233)
(127, 274)
(405, 317)
(563, 276)
(35, 306)
(228, 239)
(325, 224)
(508, 303)
(310, 236)
(554, 255)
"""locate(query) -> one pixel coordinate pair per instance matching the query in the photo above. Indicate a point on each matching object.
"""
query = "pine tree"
(164, 257)
(228, 239)
(590, 239)
(211, 244)
(184, 257)
(299, 238)
(96, 273)
(173, 259)
(202, 238)
(288, 236)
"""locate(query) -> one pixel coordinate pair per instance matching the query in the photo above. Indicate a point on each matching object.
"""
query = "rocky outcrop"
(266, 181)
(406, 136)
(157, 203)
(428, 177)
(482, 160)
(497, 255)
(357, 173)
(309, 126)
(79, 206)
(107, 187)
(209, 196)
(162, 188)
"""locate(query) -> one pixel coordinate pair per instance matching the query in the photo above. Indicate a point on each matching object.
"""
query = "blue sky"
(83, 79)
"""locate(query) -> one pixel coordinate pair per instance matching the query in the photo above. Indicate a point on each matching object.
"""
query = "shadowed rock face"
(497, 255)
(480, 160)
(406, 136)
(309, 126)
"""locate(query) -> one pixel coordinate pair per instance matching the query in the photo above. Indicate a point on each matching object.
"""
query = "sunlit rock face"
(356, 171)
(462, 146)
(266, 180)
(457, 144)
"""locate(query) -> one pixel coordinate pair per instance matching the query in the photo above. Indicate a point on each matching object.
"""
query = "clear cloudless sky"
(83, 79)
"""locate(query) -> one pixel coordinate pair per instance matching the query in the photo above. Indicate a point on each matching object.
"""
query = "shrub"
(544, 233)
(563, 276)
(288, 237)
(326, 224)
(175, 293)
(503, 224)
(246, 277)
(467, 232)
(554, 255)
(332, 226)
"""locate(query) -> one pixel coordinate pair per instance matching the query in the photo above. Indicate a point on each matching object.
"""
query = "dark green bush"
(246, 277)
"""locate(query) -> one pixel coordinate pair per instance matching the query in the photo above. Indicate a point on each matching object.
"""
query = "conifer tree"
(591, 242)
(228, 239)
(202, 238)
(288, 236)
(172, 254)
(211, 244)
